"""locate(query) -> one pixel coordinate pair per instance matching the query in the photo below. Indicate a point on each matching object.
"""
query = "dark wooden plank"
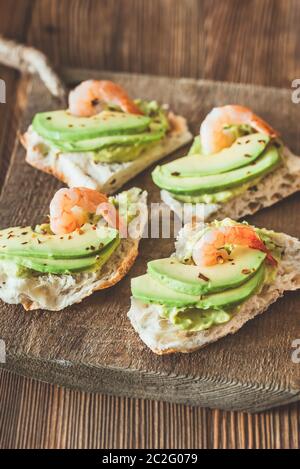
(219, 376)
(252, 41)
(234, 40)
(38, 415)
(159, 37)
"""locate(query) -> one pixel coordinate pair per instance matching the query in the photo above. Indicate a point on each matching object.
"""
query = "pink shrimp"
(69, 209)
(87, 99)
(213, 134)
(210, 249)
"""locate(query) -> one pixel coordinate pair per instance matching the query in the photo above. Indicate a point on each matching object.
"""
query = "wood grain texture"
(132, 35)
(234, 40)
(36, 415)
(252, 41)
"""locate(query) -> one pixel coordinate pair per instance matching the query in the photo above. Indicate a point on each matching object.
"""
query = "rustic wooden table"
(234, 40)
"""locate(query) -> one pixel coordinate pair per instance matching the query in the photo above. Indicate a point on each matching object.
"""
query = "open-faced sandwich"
(104, 138)
(90, 243)
(222, 275)
(236, 166)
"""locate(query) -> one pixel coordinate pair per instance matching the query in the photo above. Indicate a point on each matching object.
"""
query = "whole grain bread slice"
(55, 292)
(274, 187)
(78, 169)
(162, 337)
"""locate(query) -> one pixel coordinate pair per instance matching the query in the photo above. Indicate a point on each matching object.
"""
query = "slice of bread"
(80, 169)
(275, 186)
(55, 292)
(162, 337)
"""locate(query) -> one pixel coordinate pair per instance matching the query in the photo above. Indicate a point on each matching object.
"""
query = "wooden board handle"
(29, 59)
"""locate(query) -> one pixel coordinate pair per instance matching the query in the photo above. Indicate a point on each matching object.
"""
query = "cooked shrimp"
(88, 98)
(211, 248)
(213, 133)
(69, 209)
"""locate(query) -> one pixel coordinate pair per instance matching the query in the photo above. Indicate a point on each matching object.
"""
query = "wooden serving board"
(92, 346)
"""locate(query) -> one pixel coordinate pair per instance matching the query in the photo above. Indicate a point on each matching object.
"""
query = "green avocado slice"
(65, 266)
(244, 151)
(198, 185)
(215, 197)
(107, 141)
(195, 280)
(234, 296)
(148, 289)
(53, 266)
(196, 148)
(23, 241)
(61, 125)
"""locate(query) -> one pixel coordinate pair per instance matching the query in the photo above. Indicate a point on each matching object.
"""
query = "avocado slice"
(198, 185)
(196, 148)
(148, 290)
(24, 242)
(214, 197)
(99, 143)
(195, 280)
(61, 125)
(65, 266)
(243, 152)
(234, 296)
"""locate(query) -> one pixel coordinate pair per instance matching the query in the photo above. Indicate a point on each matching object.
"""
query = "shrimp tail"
(69, 210)
(246, 235)
(88, 98)
(213, 135)
(210, 249)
